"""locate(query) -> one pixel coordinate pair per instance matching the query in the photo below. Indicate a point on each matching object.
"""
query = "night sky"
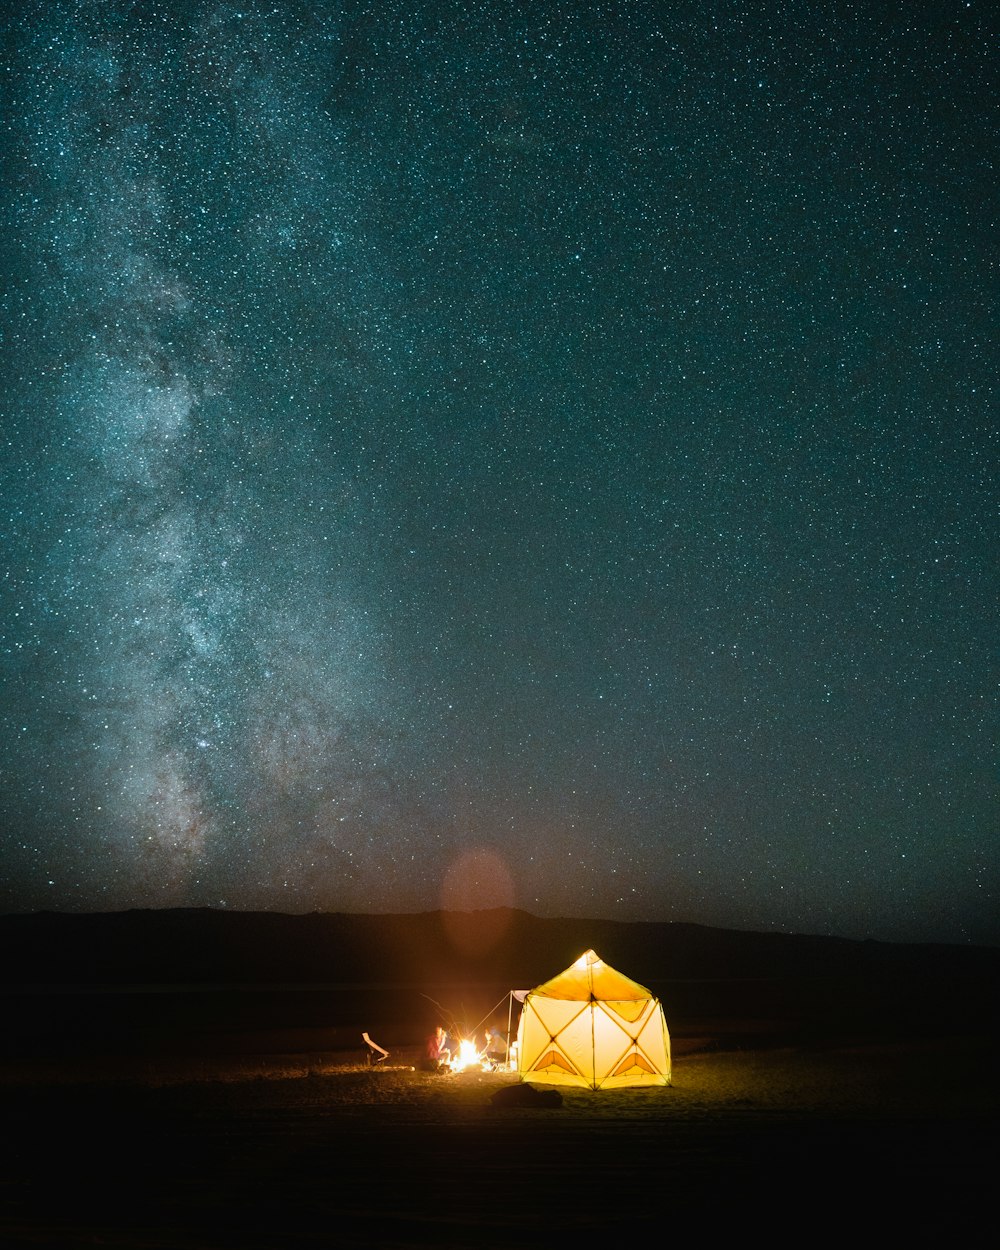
(484, 453)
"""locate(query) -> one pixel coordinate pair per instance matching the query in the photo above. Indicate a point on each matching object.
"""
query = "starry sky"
(464, 454)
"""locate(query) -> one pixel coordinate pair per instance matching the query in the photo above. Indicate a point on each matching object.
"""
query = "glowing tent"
(593, 1027)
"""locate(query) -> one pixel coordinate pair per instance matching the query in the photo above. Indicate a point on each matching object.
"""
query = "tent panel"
(554, 1015)
(554, 1065)
(612, 1039)
(633, 1078)
(541, 1059)
(630, 1009)
(578, 1043)
(654, 1040)
(616, 1032)
(634, 1063)
(539, 1036)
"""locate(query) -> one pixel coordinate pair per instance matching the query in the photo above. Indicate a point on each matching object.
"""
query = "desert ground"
(272, 1139)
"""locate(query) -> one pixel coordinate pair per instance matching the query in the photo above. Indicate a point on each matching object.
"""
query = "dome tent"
(593, 1027)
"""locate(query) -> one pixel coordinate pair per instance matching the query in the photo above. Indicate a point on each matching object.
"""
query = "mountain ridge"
(206, 945)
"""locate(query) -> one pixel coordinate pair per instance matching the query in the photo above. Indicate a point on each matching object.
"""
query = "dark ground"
(195, 1081)
(127, 1133)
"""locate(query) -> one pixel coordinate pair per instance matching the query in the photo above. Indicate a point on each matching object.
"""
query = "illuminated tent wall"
(593, 1027)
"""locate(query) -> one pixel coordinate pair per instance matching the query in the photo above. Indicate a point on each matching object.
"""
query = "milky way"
(464, 456)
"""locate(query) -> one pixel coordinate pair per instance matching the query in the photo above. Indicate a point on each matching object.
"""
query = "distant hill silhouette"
(503, 946)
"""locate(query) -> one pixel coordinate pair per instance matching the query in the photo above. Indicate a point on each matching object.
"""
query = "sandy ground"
(306, 1150)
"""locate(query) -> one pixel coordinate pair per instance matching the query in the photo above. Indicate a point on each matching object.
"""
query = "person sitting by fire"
(438, 1053)
(495, 1049)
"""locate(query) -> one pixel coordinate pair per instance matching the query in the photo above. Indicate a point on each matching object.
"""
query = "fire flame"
(468, 1057)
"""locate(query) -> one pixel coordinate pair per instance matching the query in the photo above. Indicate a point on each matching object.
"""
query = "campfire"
(468, 1057)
